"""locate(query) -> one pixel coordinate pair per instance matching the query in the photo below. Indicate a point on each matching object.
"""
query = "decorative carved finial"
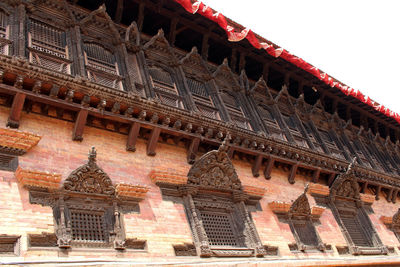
(224, 147)
(92, 155)
(306, 188)
(351, 165)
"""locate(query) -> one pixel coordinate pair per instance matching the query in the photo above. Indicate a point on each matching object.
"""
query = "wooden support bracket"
(394, 196)
(268, 168)
(16, 110)
(292, 174)
(331, 178)
(389, 195)
(378, 191)
(80, 123)
(192, 150)
(316, 174)
(132, 137)
(257, 165)
(152, 144)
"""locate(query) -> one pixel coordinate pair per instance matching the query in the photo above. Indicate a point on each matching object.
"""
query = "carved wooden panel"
(355, 229)
(202, 99)
(165, 87)
(42, 240)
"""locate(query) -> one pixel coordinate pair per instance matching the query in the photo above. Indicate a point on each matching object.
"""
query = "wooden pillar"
(331, 178)
(118, 11)
(233, 59)
(172, 31)
(77, 134)
(132, 137)
(140, 16)
(16, 110)
(265, 72)
(257, 165)
(268, 168)
(364, 188)
(204, 46)
(242, 61)
(152, 143)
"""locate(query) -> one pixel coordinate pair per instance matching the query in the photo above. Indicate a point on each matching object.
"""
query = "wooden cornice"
(13, 71)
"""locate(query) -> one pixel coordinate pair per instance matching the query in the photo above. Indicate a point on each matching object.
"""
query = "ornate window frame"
(5, 34)
(345, 202)
(213, 187)
(300, 213)
(88, 192)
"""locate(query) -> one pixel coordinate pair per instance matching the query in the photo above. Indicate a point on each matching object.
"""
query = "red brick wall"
(160, 222)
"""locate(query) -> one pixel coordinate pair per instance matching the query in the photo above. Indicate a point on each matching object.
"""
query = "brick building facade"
(193, 158)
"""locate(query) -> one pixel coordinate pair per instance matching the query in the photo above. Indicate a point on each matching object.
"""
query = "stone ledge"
(367, 198)
(318, 189)
(131, 191)
(37, 179)
(279, 207)
(17, 139)
(254, 190)
(168, 177)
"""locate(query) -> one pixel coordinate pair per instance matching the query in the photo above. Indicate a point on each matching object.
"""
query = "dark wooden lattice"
(88, 226)
(164, 87)
(3, 24)
(354, 228)
(219, 229)
(306, 233)
(47, 39)
(8, 162)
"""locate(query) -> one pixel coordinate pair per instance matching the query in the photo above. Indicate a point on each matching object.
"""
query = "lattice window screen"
(197, 88)
(88, 226)
(102, 67)
(47, 39)
(159, 75)
(354, 227)
(219, 229)
(306, 233)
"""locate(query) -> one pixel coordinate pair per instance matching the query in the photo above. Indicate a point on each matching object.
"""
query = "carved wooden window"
(216, 207)
(270, 122)
(47, 46)
(202, 99)
(301, 222)
(235, 111)
(312, 135)
(8, 162)
(101, 66)
(9, 245)
(348, 209)
(360, 153)
(4, 34)
(292, 126)
(330, 143)
(165, 87)
(88, 208)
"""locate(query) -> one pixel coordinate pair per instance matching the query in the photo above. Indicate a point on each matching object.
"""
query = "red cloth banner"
(235, 35)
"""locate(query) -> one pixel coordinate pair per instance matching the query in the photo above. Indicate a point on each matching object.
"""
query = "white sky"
(354, 41)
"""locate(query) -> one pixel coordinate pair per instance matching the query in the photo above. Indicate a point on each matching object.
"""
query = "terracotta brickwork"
(18, 139)
(161, 222)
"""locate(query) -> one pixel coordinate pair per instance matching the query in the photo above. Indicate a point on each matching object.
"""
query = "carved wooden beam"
(16, 110)
(192, 150)
(132, 137)
(257, 165)
(268, 168)
(152, 144)
(316, 174)
(292, 174)
(77, 134)
(378, 191)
